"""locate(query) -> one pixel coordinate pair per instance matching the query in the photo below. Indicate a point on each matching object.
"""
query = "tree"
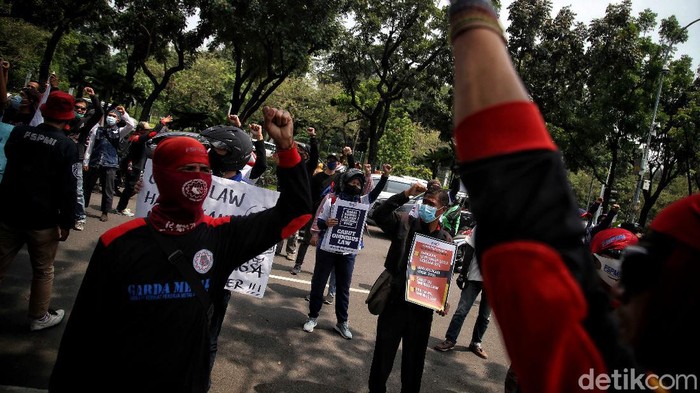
(269, 41)
(58, 17)
(391, 48)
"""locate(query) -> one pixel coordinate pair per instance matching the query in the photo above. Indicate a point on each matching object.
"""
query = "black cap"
(333, 156)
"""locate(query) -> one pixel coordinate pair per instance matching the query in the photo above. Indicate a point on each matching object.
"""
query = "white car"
(394, 185)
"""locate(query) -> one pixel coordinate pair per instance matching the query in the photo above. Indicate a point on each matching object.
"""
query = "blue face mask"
(332, 165)
(15, 101)
(111, 121)
(427, 213)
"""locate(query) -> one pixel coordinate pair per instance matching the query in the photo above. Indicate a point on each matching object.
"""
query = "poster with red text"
(429, 272)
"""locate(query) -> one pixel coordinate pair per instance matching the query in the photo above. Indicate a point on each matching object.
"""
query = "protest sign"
(346, 236)
(226, 198)
(429, 272)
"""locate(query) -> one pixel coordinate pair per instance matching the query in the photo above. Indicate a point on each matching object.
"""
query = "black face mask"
(352, 190)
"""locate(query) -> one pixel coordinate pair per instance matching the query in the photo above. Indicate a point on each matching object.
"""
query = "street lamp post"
(645, 155)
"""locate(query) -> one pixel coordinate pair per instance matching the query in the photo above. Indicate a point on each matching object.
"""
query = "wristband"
(473, 19)
(484, 6)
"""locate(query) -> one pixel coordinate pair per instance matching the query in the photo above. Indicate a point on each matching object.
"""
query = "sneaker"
(296, 269)
(478, 351)
(329, 299)
(52, 318)
(308, 298)
(445, 346)
(125, 212)
(104, 217)
(343, 329)
(291, 257)
(79, 225)
(310, 325)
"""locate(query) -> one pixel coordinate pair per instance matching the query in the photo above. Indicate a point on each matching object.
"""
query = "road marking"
(309, 283)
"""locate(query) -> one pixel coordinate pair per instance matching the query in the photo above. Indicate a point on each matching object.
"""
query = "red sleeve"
(502, 129)
(540, 309)
(289, 157)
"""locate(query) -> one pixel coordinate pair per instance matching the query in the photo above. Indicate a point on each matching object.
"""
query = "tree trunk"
(49, 52)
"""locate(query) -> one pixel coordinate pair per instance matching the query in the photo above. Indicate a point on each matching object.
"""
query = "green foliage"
(396, 148)
(22, 44)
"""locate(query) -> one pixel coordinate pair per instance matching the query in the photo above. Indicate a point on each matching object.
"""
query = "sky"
(685, 11)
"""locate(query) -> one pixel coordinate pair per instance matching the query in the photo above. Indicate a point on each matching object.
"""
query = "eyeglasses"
(80, 108)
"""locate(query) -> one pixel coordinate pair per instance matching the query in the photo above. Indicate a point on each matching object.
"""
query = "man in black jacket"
(78, 131)
(37, 200)
(401, 320)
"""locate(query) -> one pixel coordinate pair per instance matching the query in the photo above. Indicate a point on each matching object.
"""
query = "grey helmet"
(236, 142)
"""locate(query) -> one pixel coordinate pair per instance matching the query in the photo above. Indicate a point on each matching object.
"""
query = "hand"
(5, 64)
(368, 169)
(63, 234)
(138, 186)
(235, 120)
(166, 120)
(314, 239)
(88, 91)
(416, 189)
(387, 169)
(445, 311)
(599, 200)
(311, 131)
(279, 126)
(347, 151)
(86, 168)
(53, 80)
(331, 222)
(257, 131)
(460, 282)
(615, 207)
(121, 110)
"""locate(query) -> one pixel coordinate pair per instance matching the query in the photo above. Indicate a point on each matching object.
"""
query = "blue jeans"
(466, 300)
(343, 266)
(80, 202)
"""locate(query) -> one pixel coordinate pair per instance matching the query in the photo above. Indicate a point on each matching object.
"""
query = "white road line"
(309, 283)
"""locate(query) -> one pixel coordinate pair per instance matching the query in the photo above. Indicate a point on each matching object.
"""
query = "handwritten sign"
(226, 198)
(429, 272)
(346, 236)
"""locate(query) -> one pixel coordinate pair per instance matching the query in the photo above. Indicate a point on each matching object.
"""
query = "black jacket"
(401, 228)
(38, 190)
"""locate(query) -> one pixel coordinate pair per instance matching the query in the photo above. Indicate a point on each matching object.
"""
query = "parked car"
(394, 185)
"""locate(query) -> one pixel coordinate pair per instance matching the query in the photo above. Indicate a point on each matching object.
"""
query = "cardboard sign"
(226, 198)
(346, 236)
(429, 272)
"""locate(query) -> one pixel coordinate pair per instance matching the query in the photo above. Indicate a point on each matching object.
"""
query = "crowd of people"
(587, 298)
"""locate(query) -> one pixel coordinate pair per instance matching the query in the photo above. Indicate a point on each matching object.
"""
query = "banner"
(429, 272)
(226, 198)
(346, 236)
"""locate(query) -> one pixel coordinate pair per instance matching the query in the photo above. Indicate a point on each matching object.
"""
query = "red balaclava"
(178, 208)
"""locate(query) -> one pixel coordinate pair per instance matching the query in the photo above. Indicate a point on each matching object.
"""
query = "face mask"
(609, 270)
(427, 213)
(16, 101)
(179, 205)
(79, 115)
(353, 190)
(111, 121)
(332, 165)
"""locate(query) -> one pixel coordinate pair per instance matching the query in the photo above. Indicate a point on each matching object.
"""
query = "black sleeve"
(351, 161)
(386, 216)
(94, 119)
(313, 156)
(374, 194)
(260, 160)
(604, 224)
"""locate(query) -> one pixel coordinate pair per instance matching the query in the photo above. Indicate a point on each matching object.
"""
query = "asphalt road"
(262, 347)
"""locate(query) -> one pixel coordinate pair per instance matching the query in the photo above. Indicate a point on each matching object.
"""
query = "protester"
(321, 183)
(350, 188)
(37, 201)
(101, 159)
(403, 322)
(471, 284)
(554, 316)
(78, 131)
(161, 339)
(607, 247)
